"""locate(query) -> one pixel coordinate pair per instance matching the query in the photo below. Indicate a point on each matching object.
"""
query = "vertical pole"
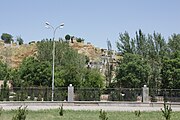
(53, 64)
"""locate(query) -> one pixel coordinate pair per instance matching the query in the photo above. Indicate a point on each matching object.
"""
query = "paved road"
(87, 105)
(107, 108)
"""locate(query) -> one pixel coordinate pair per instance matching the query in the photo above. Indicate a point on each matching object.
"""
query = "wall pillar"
(145, 97)
(70, 93)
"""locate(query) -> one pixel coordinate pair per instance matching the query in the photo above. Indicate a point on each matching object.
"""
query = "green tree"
(44, 49)
(79, 39)
(132, 72)
(3, 71)
(125, 44)
(93, 79)
(20, 40)
(174, 43)
(69, 64)
(157, 50)
(109, 65)
(7, 37)
(171, 72)
(67, 37)
(141, 43)
(71, 69)
(15, 77)
(35, 73)
(153, 48)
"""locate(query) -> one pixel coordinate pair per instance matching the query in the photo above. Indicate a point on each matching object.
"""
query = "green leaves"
(20, 40)
(92, 79)
(167, 111)
(21, 113)
(160, 60)
(174, 43)
(171, 73)
(133, 71)
(3, 71)
(69, 65)
(7, 37)
(125, 45)
(103, 115)
(34, 72)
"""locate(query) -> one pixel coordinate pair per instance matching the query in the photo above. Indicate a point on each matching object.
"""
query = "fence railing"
(33, 94)
(108, 94)
(172, 95)
(88, 94)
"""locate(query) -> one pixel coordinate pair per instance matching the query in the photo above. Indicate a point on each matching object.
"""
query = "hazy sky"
(94, 20)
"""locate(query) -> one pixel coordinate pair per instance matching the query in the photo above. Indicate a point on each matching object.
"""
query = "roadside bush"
(167, 111)
(103, 115)
(61, 110)
(137, 113)
(1, 111)
(21, 113)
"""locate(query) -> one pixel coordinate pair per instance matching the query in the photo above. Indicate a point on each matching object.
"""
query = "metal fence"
(109, 94)
(33, 94)
(172, 95)
(88, 94)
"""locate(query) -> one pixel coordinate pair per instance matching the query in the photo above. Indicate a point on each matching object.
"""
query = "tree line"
(148, 60)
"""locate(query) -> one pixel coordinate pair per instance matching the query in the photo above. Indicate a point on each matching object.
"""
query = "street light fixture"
(48, 25)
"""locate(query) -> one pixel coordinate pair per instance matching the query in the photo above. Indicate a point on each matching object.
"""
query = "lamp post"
(48, 25)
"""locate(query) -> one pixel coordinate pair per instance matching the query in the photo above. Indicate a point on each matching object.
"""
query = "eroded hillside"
(14, 54)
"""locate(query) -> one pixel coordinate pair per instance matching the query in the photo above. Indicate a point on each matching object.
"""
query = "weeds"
(1, 111)
(61, 110)
(137, 113)
(21, 113)
(167, 111)
(103, 115)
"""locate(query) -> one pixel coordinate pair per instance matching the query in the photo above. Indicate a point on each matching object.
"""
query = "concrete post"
(145, 94)
(70, 93)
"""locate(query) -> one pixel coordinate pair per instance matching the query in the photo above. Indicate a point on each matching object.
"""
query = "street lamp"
(48, 25)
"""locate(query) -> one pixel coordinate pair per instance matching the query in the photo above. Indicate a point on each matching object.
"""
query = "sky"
(94, 20)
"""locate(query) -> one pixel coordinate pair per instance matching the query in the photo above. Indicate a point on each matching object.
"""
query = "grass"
(87, 115)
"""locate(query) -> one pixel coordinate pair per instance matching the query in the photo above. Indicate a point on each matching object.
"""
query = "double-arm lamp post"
(48, 25)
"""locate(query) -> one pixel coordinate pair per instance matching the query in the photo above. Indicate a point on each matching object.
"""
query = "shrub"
(32, 96)
(61, 110)
(32, 42)
(23, 95)
(39, 97)
(17, 96)
(167, 111)
(79, 39)
(21, 113)
(1, 111)
(103, 115)
(137, 113)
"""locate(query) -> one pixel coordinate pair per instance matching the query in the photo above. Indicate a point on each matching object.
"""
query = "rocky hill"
(13, 54)
(88, 49)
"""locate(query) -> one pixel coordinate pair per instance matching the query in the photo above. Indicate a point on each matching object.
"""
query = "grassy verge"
(87, 115)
